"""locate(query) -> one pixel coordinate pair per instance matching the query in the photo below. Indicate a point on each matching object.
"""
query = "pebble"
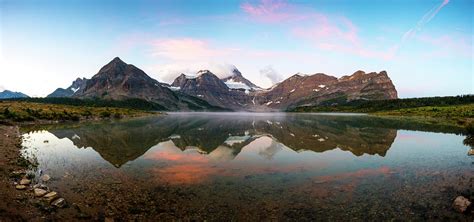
(461, 204)
(60, 203)
(41, 186)
(39, 192)
(25, 181)
(51, 196)
(45, 177)
(20, 187)
(470, 152)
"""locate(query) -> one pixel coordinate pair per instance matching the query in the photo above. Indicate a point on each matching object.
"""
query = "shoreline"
(16, 204)
(21, 204)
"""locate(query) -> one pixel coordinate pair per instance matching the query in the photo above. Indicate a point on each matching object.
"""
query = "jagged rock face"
(293, 89)
(320, 88)
(7, 94)
(210, 88)
(76, 85)
(118, 80)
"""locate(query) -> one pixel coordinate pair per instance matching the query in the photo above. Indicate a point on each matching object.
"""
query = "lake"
(254, 166)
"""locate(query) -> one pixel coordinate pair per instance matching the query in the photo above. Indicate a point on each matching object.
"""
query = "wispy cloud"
(427, 17)
(447, 44)
(188, 49)
(270, 11)
(326, 32)
(271, 74)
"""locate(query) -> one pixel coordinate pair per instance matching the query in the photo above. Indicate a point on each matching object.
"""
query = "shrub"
(105, 114)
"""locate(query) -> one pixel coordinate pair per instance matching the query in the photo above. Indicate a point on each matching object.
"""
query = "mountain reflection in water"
(249, 166)
(224, 136)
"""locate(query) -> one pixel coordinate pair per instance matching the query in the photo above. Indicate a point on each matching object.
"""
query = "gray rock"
(60, 203)
(461, 204)
(25, 181)
(39, 192)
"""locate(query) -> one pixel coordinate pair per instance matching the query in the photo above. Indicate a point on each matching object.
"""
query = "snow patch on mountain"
(236, 85)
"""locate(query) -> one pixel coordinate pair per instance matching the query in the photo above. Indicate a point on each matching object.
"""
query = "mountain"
(237, 93)
(237, 81)
(7, 94)
(118, 80)
(310, 90)
(69, 91)
(207, 86)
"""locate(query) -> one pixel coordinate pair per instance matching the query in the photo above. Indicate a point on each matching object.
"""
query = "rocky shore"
(15, 205)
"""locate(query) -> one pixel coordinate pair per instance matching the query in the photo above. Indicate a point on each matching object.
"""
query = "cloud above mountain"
(271, 74)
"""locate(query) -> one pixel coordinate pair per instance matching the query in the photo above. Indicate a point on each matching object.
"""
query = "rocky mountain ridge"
(118, 80)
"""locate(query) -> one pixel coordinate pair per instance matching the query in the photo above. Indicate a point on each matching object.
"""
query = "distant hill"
(69, 91)
(7, 94)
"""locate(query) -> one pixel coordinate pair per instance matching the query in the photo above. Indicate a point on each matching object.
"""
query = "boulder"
(461, 204)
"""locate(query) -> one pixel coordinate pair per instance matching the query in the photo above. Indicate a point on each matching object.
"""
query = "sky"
(426, 46)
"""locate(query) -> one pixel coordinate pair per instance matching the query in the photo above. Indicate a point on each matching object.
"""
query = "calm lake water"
(249, 166)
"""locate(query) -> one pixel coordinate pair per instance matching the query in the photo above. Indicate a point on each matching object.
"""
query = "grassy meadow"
(21, 111)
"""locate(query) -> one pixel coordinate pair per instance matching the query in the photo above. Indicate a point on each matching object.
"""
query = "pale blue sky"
(425, 46)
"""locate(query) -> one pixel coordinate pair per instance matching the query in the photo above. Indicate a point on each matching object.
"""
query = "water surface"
(247, 166)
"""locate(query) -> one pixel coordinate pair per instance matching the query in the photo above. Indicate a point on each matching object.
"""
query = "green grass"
(370, 106)
(450, 111)
(21, 111)
(132, 103)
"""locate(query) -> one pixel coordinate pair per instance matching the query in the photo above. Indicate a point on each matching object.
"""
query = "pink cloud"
(447, 44)
(335, 33)
(340, 34)
(186, 49)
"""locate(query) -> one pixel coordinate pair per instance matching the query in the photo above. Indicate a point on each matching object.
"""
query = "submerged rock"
(45, 177)
(20, 187)
(39, 192)
(461, 204)
(470, 152)
(25, 181)
(60, 203)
